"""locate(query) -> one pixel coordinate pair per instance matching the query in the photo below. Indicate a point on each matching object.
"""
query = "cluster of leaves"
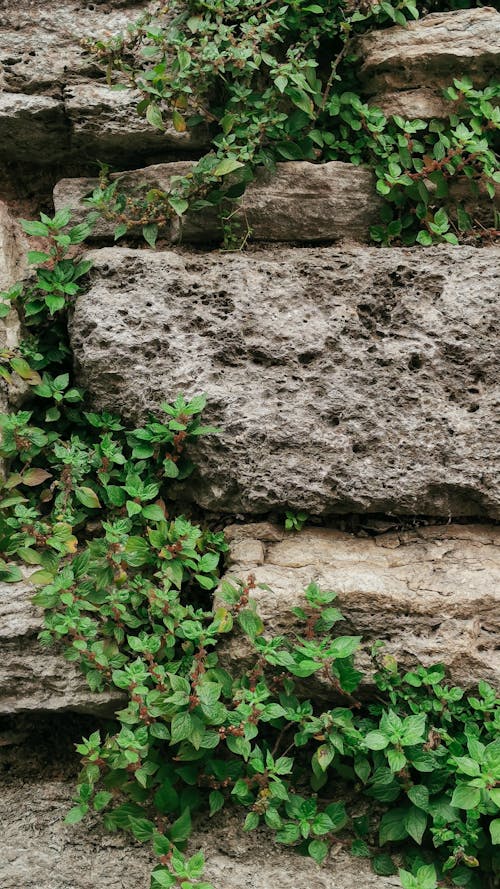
(426, 759)
(273, 82)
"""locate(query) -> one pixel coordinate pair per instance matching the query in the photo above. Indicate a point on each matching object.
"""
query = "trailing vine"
(273, 82)
(408, 777)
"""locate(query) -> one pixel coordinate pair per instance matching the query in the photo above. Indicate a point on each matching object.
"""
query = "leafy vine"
(272, 82)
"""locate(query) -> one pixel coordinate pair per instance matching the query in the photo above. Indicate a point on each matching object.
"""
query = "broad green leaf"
(228, 165)
(88, 497)
(76, 813)
(415, 823)
(376, 740)
(393, 826)
(466, 797)
(419, 796)
(154, 116)
(495, 831)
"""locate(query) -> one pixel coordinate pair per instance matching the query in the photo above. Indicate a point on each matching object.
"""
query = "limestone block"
(34, 678)
(433, 49)
(54, 103)
(299, 201)
(32, 126)
(344, 380)
(432, 595)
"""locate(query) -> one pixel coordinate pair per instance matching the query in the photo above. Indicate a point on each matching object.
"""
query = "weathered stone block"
(41, 47)
(52, 108)
(33, 678)
(355, 380)
(432, 595)
(299, 201)
(435, 48)
(32, 126)
(424, 57)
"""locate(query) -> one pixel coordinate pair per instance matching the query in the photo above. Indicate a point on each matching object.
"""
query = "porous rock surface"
(432, 594)
(34, 678)
(353, 380)
(298, 201)
(405, 69)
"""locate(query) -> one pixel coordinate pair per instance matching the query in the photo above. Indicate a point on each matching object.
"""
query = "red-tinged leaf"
(35, 477)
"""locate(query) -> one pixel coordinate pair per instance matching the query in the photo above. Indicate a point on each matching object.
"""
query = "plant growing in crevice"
(274, 82)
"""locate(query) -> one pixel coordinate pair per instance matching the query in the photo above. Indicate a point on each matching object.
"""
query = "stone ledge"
(52, 109)
(432, 50)
(432, 594)
(105, 122)
(424, 57)
(299, 202)
(33, 678)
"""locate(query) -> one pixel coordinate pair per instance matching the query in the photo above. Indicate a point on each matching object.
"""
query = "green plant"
(259, 78)
(193, 736)
(295, 521)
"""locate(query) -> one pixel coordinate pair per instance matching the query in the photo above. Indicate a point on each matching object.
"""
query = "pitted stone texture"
(298, 201)
(355, 380)
(425, 56)
(40, 852)
(431, 594)
(34, 678)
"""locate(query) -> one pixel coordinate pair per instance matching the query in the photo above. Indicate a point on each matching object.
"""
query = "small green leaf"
(76, 814)
(102, 799)
(415, 824)
(150, 233)
(392, 826)
(228, 165)
(154, 116)
(87, 497)
(318, 850)
(495, 831)
(376, 740)
(251, 821)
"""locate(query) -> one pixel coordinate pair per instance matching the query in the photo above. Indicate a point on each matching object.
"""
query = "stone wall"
(358, 383)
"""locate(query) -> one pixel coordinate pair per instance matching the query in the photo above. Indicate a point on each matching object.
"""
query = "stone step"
(432, 594)
(344, 380)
